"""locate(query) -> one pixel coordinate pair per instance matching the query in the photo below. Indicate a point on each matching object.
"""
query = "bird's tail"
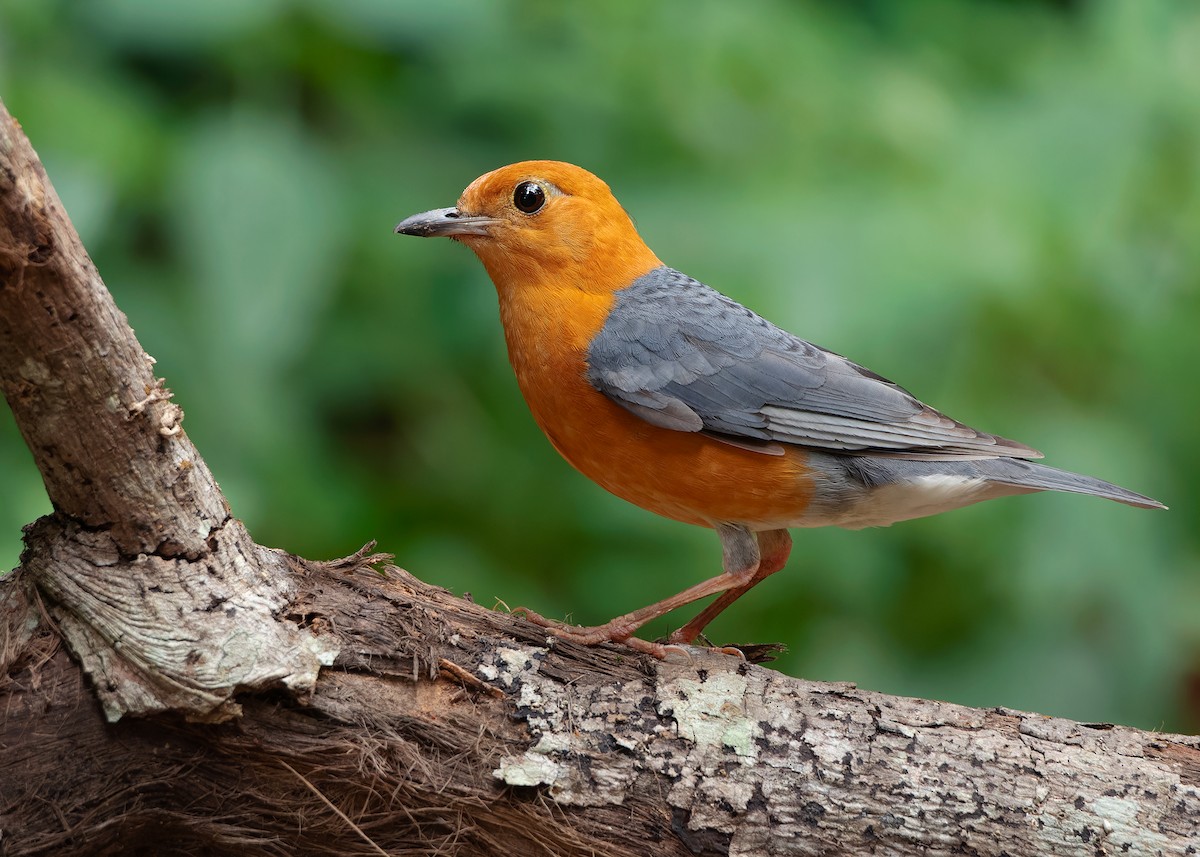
(1027, 474)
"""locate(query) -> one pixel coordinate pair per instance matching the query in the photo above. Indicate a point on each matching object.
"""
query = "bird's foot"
(757, 653)
(615, 631)
(754, 653)
(620, 631)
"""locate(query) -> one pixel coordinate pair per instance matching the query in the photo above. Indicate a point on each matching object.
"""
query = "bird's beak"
(447, 222)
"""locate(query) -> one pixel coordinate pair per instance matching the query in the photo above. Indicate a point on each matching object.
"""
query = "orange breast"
(681, 475)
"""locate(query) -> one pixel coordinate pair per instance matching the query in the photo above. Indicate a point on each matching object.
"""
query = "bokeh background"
(994, 203)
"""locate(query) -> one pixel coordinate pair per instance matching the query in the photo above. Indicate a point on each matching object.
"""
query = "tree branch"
(435, 726)
(102, 428)
(163, 597)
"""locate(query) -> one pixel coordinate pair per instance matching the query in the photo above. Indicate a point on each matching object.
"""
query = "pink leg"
(774, 546)
(742, 570)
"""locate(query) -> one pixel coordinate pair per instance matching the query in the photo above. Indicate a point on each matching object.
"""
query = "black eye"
(529, 197)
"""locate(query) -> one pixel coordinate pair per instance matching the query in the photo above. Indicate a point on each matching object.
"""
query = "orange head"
(543, 222)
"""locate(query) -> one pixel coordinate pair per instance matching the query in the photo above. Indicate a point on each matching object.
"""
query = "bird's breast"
(681, 475)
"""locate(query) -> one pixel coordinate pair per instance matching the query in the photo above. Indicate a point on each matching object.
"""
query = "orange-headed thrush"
(683, 401)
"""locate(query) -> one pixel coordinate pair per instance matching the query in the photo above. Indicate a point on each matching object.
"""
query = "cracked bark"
(167, 685)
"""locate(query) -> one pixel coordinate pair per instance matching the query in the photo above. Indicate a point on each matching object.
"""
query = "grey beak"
(443, 221)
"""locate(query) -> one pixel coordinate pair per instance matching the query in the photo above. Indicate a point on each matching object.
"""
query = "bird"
(680, 400)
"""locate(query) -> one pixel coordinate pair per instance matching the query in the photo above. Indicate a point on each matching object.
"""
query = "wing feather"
(685, 357)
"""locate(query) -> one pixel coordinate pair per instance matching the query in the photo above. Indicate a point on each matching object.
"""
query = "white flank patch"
(925, 495)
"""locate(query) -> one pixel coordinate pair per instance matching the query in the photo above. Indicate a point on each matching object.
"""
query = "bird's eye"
(529, 197)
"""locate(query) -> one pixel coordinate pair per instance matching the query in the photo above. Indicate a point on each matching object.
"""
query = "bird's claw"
(621, 633)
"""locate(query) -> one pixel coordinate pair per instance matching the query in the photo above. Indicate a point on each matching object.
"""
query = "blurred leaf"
(163, 27)
(258, 219)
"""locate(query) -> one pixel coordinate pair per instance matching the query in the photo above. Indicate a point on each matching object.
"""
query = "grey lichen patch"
(745, 757)
(711, 713)
(719, 712)
(529, 769)
(575, 728)
(591, 743)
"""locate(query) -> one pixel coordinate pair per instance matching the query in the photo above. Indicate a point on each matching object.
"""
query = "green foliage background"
(993, 203)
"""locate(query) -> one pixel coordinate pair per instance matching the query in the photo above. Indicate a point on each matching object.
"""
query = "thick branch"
(436, 727)
(446, 728)
(162, 595)
(102, 428)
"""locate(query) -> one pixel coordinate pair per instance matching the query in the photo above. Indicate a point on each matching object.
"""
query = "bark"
(137, 511)
(168, 686)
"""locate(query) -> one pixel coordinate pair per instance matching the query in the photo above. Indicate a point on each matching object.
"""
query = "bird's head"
(542, 223)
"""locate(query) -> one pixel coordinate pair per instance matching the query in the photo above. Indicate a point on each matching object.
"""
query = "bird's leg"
(774, 547)
(741, 561)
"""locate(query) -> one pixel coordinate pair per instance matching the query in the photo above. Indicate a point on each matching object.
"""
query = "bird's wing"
(685, 357)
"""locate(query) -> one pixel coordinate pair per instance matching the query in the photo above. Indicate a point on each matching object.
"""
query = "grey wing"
(685, 357)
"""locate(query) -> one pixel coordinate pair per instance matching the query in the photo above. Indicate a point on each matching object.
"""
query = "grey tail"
(1039, 477)
(1018, 473)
